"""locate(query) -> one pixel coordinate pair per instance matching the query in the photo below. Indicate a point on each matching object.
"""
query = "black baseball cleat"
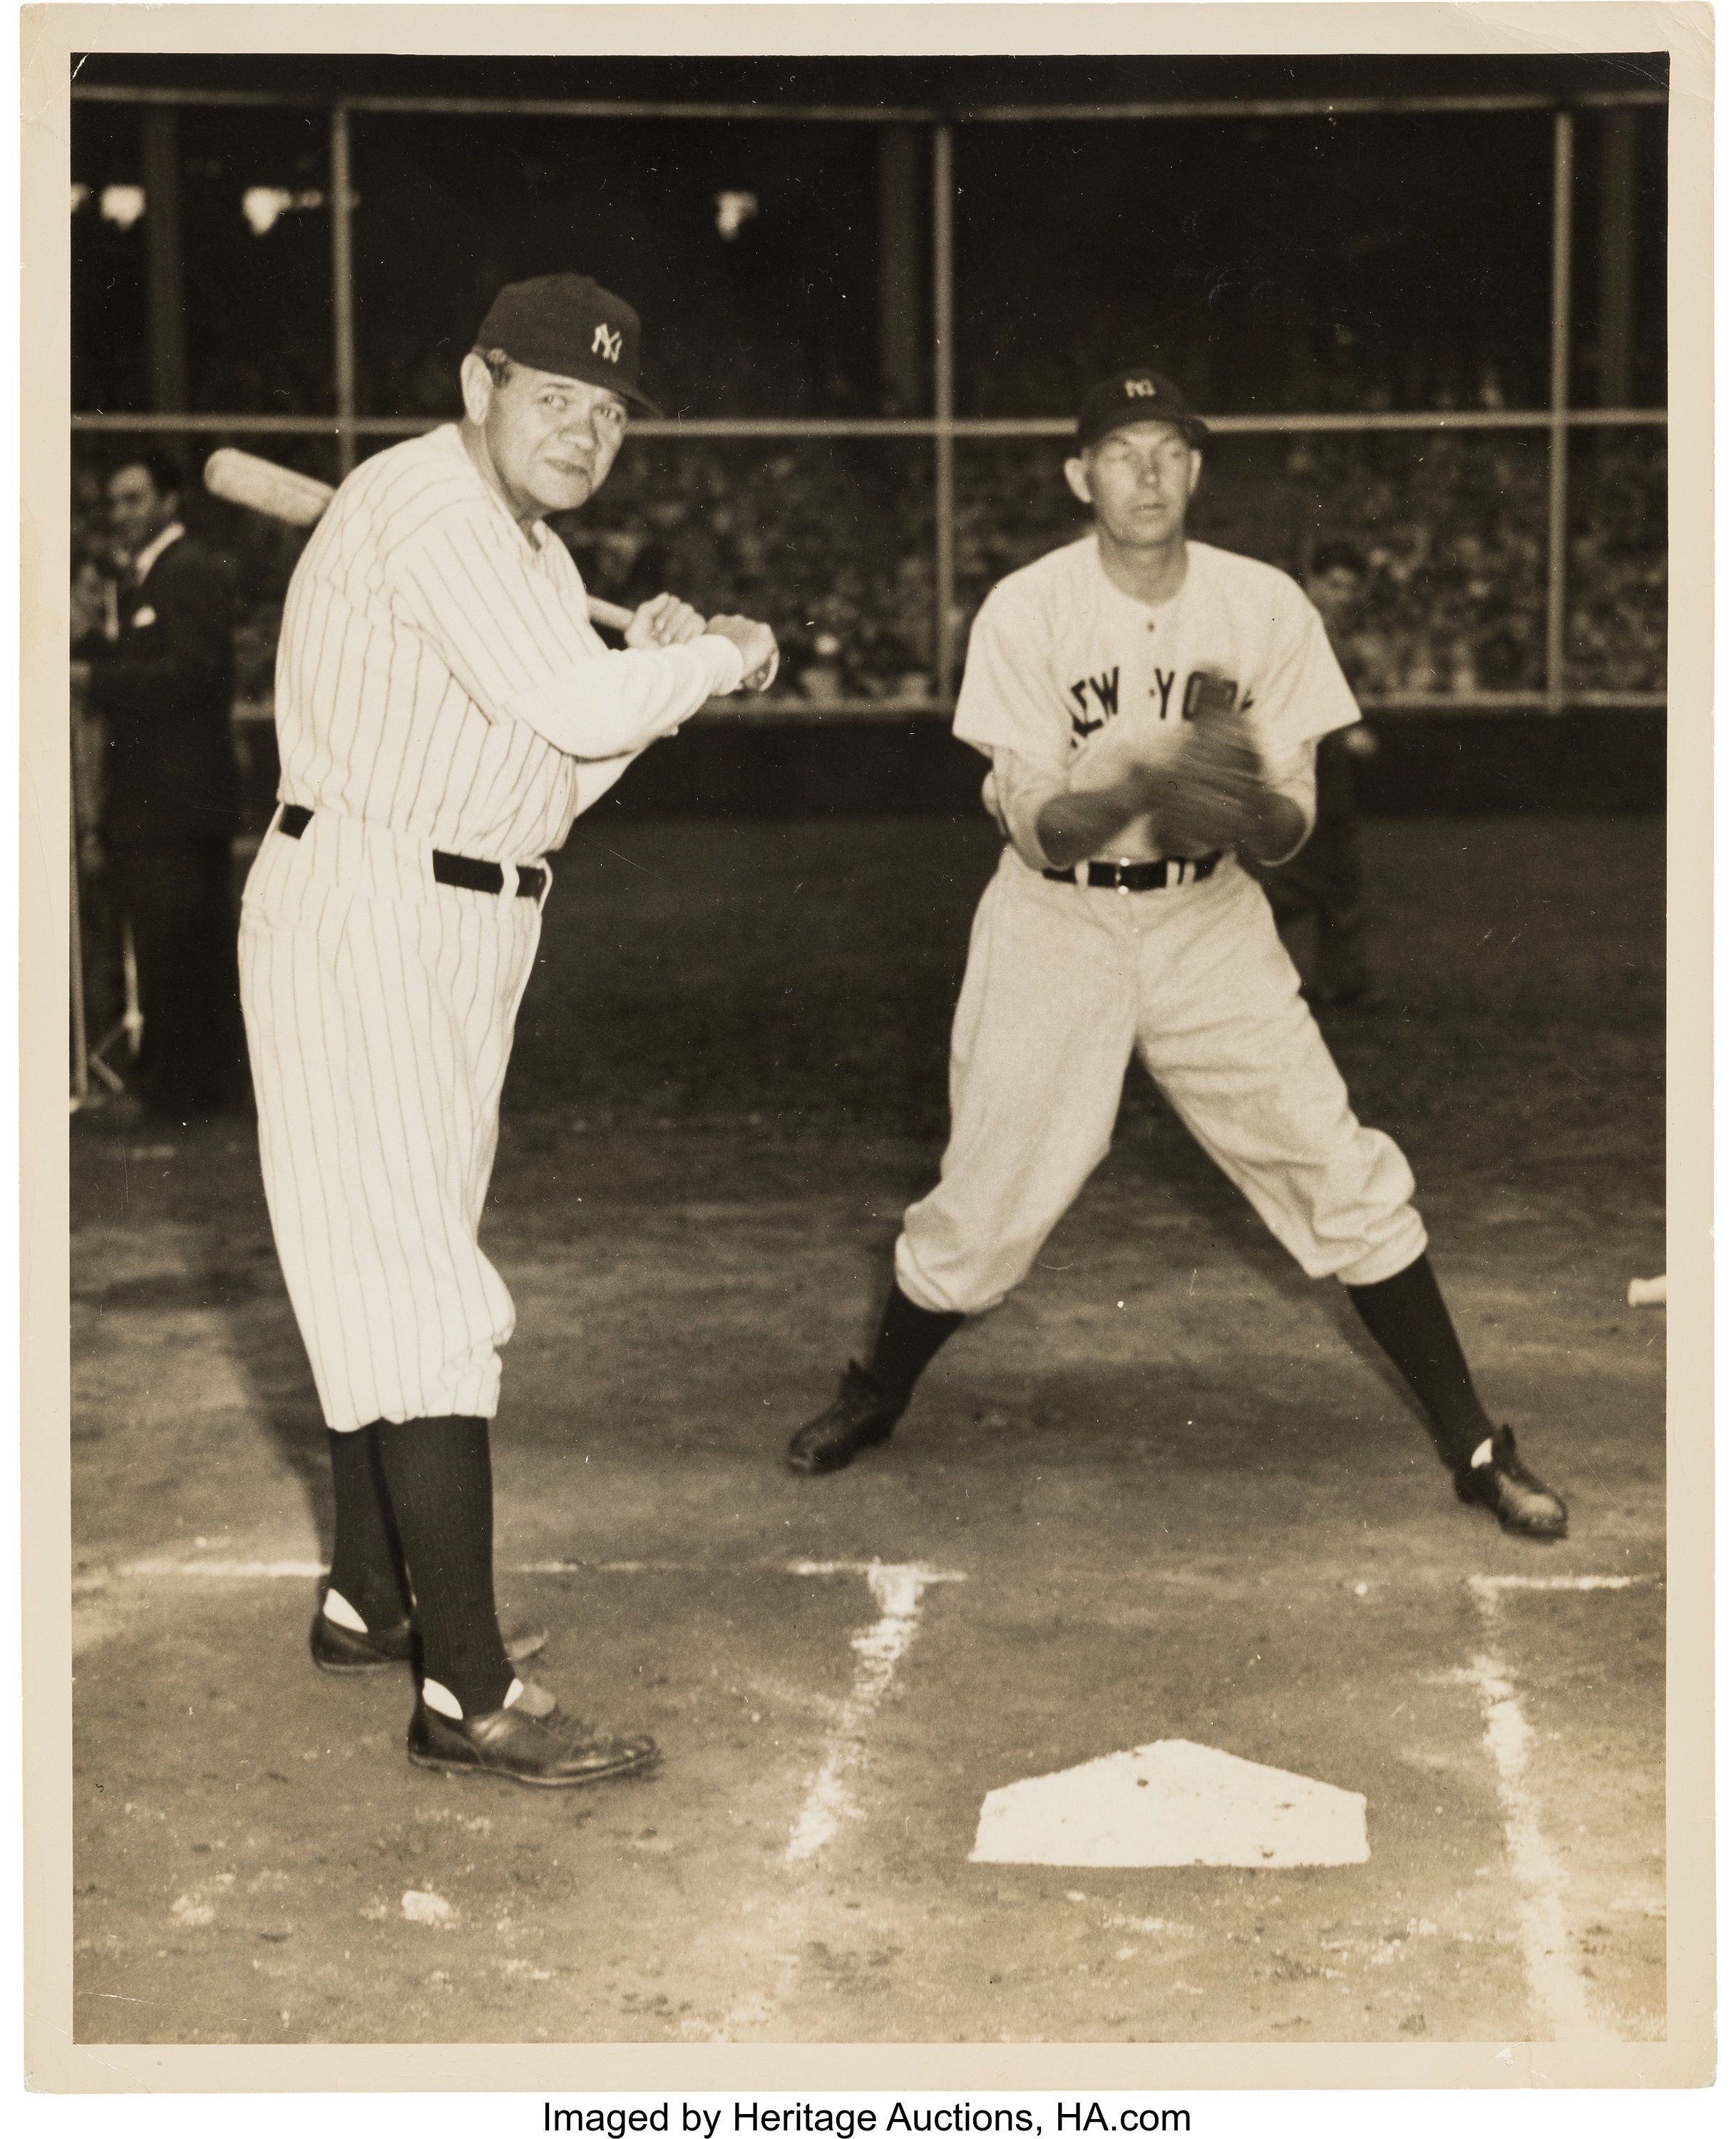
(861, 1415)
(1520, 1503)
(344, 1649)
(549, 1751)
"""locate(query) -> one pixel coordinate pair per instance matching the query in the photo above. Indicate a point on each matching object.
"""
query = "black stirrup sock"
(909, 1337)
(366, 1564)
(441, 1484)
(1408, 1318)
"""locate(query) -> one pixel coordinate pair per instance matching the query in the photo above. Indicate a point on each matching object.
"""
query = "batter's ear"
(1078, 479)
(478, 387)
(1197, 461)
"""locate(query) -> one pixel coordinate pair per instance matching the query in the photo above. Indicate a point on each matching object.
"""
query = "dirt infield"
(1167, 1493)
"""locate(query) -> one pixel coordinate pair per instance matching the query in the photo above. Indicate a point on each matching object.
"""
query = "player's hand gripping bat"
(285, 494)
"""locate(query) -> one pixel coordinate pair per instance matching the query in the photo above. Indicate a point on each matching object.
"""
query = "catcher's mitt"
(1211, 789)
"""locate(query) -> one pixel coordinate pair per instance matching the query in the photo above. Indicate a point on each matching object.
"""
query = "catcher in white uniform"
(1150, 705)
(444, 710)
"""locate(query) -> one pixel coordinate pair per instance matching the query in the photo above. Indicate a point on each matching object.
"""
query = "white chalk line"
(310, 1571)
(1493, 1585)
(898, 1590)
(304, 1570)
(219, 1570)
(1558, 1988)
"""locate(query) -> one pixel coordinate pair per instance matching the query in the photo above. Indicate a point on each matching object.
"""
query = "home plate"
(1172, 1802)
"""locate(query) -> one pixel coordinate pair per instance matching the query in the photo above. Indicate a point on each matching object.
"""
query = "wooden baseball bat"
(286, 494)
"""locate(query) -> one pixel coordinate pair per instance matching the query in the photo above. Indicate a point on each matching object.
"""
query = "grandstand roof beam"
(878, 115)
(1299, 107)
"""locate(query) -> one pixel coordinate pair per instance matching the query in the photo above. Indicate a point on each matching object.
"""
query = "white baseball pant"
(1063, 983)
(379, 1009)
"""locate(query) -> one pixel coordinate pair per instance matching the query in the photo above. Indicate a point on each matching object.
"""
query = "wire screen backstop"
(912, 137)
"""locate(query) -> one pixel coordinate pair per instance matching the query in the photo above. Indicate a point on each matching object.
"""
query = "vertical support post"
(165, 284)
(1617, 177)
(943, 439)
(1560, 345)
(901, 366)
(343, 289)
(80, 1037)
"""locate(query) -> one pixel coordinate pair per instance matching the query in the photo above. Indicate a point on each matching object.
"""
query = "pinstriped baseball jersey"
(439, 690)
(438, 672)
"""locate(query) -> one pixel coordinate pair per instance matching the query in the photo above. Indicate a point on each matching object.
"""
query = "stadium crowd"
(832, 541)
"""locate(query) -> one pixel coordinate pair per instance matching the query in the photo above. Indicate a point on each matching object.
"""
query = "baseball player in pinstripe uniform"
(1120, 920)
(444, 712)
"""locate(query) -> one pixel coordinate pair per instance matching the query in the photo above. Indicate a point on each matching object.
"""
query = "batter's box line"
(1483, 1586)
(890, 1580)
(897, 1590)
(1488, 1587)
(216, 1570)
(314, 1570)
(1557, 1990)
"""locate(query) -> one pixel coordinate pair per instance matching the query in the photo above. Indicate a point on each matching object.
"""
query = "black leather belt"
(1141, 876)
(457, 870)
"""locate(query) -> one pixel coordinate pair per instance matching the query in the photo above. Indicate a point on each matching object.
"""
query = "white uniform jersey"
(438, 676)
(1069, 680)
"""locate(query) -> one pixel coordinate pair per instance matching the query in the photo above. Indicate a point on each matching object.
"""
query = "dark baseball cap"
(1138, 396)
(572, 326)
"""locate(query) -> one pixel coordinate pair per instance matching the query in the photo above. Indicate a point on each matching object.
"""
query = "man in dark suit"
(162, 685)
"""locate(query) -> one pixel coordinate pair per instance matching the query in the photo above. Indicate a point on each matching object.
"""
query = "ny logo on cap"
(1137, 390)
(608, 344)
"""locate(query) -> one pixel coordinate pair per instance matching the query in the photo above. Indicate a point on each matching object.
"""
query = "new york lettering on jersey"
(1077, 679)
(1205, 691)
(1236, 629)
(1172, 672)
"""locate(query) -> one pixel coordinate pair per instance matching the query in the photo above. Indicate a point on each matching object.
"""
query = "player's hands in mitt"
(1211, 792)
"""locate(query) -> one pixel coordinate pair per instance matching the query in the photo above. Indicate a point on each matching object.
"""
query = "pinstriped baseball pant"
(1064, 984)
(379, 1009)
